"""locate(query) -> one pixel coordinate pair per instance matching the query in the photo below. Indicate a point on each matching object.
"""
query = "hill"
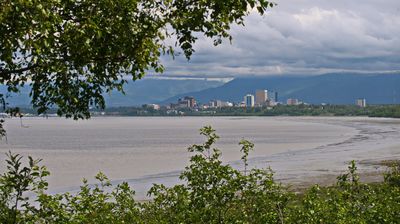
(338, 88)
(140, 92)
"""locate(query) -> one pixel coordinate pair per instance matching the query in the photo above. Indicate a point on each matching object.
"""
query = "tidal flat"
(147, 150)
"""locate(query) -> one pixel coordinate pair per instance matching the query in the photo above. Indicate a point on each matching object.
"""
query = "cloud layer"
(303, 37)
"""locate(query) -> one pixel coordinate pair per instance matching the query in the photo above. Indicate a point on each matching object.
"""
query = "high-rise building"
(191, 101)
(361, 102)
(276, 97)
(186, 102)
(261, 97)
(249, 100)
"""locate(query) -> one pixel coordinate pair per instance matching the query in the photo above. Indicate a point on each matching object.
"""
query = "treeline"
(280, 110)
(212, 192)
(312, 110)
(390, 111)
(335, 110)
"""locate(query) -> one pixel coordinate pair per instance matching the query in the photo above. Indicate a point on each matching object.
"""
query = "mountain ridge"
(144, 91)
(333, 88)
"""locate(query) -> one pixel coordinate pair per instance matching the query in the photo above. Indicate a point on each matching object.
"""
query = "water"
(146, 150)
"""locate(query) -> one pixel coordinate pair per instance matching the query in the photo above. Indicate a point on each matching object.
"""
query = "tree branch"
(21, 70)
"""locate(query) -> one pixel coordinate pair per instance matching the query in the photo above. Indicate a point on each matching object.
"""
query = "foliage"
(2, 130)
(71, 51)
(211, 192)
(349, 202)
(217, 193)
(95, 204)
(3, 105)
(393, 177)
(17, 182)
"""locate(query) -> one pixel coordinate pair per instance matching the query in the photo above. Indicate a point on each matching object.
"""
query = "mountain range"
(334, 88)
(147, 90)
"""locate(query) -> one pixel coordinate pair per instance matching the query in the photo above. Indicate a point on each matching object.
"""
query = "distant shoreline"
(388, 111)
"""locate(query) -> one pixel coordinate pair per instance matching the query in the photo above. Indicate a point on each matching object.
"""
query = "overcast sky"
(303, 37)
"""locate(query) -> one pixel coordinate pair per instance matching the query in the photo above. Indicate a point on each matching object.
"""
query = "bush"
(348, 202)
(217, 193)
(393, 176)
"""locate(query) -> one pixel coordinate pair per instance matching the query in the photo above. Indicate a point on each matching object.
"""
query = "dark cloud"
(304, 37)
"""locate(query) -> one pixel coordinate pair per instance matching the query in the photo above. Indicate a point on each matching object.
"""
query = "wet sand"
(376, 140)
(144, 151)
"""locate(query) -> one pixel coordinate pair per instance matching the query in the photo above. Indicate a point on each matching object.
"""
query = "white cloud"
(303, 37)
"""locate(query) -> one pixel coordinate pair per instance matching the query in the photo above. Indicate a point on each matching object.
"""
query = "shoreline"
(327, 180)
(370, 168)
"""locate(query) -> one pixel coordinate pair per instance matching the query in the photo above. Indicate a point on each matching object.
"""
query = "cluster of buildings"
(191, 103)
(186, 102)
(262, 98)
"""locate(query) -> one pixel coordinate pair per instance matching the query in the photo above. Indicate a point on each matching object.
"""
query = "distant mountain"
(137, 93)
(338, 88)
(154, 90)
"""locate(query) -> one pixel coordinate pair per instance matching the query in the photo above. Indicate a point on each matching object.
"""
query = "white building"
(361, 102)
(249, 100)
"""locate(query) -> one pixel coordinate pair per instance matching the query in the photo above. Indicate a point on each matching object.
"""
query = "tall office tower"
(249, 100)
(261, 97)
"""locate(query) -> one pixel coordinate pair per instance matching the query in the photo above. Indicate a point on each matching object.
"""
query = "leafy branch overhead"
(71, 51)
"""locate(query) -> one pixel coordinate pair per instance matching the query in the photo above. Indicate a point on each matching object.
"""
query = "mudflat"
(147, 150)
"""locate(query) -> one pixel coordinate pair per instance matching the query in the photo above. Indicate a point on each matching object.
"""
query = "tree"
(72, 51)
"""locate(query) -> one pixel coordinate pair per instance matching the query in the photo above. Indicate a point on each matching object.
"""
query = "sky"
(302, 37)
